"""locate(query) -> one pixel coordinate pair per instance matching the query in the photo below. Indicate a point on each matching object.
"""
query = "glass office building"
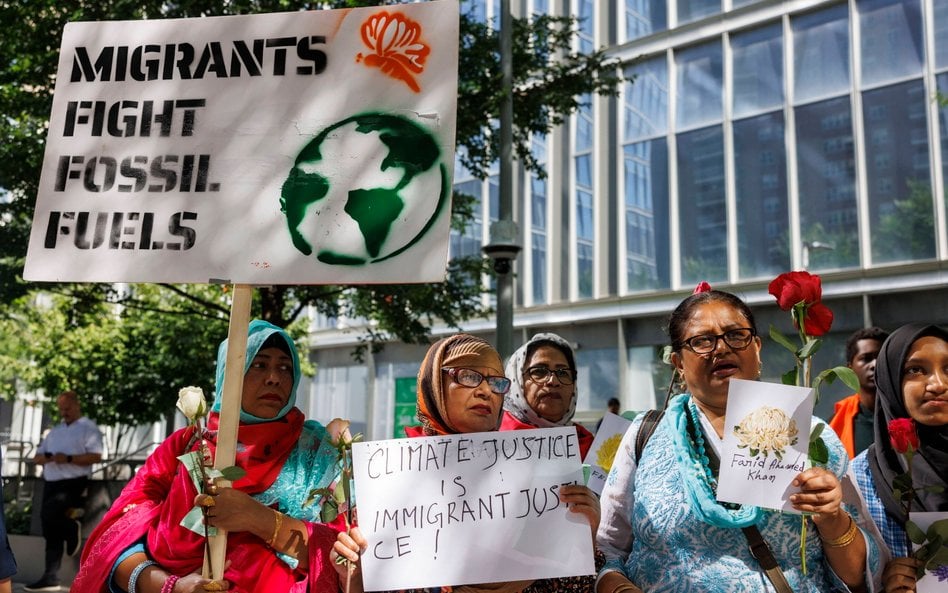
(749, 138)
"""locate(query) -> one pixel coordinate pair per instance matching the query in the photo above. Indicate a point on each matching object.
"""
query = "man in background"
(612, 408)
(67, 455)
(852, 416)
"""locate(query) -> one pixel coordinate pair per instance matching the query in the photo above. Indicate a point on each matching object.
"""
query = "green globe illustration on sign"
(364, 190)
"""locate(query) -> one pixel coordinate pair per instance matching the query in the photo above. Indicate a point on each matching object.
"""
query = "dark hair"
(613, 401)
(534, 346)
(867, 333)
(276, 341)
(684, 310)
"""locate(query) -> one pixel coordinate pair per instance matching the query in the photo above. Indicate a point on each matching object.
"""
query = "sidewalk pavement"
(18, 587)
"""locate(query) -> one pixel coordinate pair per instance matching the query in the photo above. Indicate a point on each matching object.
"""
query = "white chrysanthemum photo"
(766, 430)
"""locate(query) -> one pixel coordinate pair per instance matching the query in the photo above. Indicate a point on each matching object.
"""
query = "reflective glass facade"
(748, 138)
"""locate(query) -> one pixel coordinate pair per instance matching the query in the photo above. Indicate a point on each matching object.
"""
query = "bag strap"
(756, 543)
(650, 420)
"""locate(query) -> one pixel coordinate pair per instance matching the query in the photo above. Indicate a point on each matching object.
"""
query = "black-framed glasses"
(737, 339)
(471, 378)
(542, 374)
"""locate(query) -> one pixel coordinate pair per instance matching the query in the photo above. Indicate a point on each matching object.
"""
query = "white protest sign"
(766, 443)
(470, 508)
(306, 147)
(603, 450)
(936, 580)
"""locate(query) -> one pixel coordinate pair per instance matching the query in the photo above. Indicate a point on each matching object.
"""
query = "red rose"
(801, 292)
(818, 320)
(902, 435)
(791, 288)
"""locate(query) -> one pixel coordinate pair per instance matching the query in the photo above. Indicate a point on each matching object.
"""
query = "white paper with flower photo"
(765, 445)
(934, 581)
(603, 450)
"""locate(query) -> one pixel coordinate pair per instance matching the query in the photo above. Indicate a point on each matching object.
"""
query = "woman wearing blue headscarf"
(275, 540)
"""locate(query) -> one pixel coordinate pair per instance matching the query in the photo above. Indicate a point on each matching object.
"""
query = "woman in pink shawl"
(152, 539)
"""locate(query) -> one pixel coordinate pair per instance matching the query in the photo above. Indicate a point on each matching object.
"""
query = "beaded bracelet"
(168, 587)
(276, 528)
(136, 572)
(845, 539)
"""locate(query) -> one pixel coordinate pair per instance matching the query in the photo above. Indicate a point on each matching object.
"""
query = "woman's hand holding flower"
(349, 546)
(233, 510)
(899, 575)
(820, 493)
(338, 430)
(195, 583)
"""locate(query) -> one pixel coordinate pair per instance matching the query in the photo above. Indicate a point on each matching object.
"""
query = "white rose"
(191, 402)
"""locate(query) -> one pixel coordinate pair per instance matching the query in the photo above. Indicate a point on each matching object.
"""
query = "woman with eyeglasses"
(543, 388)
(662, 528)
(461, 388)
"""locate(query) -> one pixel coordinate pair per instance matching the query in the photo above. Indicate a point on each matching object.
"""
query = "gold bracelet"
(278, 524)
(845, 539)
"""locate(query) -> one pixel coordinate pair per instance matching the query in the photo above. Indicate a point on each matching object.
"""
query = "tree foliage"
(130, 345)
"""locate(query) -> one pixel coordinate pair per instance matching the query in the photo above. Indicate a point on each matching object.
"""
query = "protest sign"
(766, 443)
(470, 508)
(603, 450)
(935, 579)
(289, 148)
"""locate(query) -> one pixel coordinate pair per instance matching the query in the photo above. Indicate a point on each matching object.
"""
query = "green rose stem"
(909, 452)
(803, 379)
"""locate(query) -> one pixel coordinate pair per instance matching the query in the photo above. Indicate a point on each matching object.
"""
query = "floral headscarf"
(459, 350)
(516, 402)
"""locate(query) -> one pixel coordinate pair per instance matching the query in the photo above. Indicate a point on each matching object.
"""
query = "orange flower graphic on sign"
(397, 49)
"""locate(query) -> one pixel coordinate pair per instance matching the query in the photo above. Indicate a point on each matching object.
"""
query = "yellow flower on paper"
(607, 451)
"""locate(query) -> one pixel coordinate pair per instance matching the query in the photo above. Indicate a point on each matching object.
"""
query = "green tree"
(547, 90)
(906, 231)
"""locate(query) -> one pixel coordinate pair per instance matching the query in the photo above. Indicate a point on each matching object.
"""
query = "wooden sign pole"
(230, 409)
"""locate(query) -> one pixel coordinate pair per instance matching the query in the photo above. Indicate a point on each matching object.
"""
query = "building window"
(645, 176)
(821, 176)
(692, 10)
(702, 207)
(468, 242)
(699, 85)
(901, 211)
(758, 71)
(644, 17)
(586, 35)
(538, 222)
(584, 192)
(821, 54)
(890, 40)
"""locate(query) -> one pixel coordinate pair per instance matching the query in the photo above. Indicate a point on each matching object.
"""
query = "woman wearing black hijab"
(911, 382)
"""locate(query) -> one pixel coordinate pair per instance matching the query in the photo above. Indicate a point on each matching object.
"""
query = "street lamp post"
(809, 246)
(504, 242)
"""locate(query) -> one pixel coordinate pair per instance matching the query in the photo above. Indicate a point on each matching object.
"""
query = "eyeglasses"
(471, 378)
(543, 374)
(738, 339)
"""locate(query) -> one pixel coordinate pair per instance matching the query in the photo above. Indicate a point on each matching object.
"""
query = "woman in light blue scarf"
(662, 528)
